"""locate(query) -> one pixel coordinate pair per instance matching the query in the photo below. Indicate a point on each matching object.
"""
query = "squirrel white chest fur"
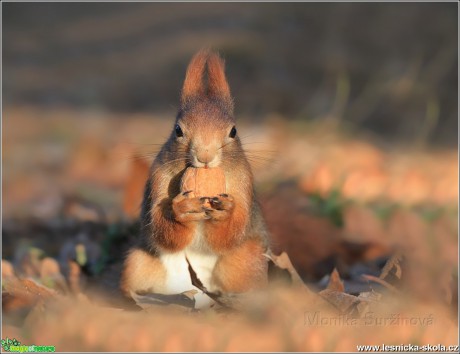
(202, 260)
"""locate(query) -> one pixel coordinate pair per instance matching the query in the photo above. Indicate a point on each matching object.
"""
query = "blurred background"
(387, 68)
(348, 111)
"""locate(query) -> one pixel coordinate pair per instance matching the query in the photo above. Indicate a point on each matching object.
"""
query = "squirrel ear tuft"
(193, 84)
(217, 83)
(194, 78)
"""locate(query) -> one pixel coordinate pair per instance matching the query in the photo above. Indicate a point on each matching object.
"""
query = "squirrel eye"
(232, 133)
(178, 131)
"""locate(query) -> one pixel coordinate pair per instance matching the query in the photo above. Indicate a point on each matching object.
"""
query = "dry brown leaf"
(7, 270)
(283, 261)
(74, 277)
(13, 303)
(146, 301)
(49, 267)
(190, 294)
(50, 275)
(30, 262)
(367, 299)
(335, 283)
(228, 301)
(392, 271)
(22, 293)
(219, 298)
(30, 287)
(381, 282)
(341, 301)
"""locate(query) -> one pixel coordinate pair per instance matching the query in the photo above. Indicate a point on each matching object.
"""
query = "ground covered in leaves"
(364, 240)
(286, 317)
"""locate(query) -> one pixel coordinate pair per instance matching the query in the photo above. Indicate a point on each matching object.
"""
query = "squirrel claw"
(217, 214)
(222, 202)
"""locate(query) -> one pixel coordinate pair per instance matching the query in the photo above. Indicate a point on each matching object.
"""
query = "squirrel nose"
(205, 156)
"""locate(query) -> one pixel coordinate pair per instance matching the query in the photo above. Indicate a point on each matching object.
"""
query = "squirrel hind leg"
(142, 272)
(243, 269)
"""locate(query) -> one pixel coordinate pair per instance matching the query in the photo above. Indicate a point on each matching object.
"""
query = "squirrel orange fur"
(223, 240)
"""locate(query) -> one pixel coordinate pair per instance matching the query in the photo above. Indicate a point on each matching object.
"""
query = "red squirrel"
(224, 239)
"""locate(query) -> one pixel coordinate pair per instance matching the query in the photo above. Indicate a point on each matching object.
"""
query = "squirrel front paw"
(221, 207)
(187, 209)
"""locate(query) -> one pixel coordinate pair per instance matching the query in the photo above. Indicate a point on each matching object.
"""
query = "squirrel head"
(205, 126)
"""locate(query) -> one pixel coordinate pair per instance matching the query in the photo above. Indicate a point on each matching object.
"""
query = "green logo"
(7, 343)
(13, 345)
